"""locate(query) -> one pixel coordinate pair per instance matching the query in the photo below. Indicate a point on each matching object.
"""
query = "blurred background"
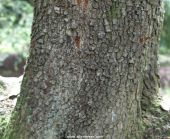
(15, 27)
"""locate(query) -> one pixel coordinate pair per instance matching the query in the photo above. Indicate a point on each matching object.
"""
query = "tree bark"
(85, 72)
(151, 78)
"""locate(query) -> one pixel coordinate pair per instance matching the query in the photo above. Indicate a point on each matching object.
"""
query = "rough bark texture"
(85, 72)
(151, 77)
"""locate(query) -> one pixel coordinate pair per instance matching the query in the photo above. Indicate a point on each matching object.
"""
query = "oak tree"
(92, 69)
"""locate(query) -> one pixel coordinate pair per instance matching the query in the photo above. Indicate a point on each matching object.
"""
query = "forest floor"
(9, 90)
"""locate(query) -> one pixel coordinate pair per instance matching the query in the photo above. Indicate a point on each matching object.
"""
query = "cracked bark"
(85, 72)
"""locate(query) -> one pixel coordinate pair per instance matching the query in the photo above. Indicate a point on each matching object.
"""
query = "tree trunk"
(85, 72)
(150, 74)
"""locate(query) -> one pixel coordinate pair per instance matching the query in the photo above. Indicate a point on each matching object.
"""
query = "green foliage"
(3, 124)
(2, 87)
(165, 41)
(15, 26)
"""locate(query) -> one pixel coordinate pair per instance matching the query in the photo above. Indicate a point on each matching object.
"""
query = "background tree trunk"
(85, 72)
